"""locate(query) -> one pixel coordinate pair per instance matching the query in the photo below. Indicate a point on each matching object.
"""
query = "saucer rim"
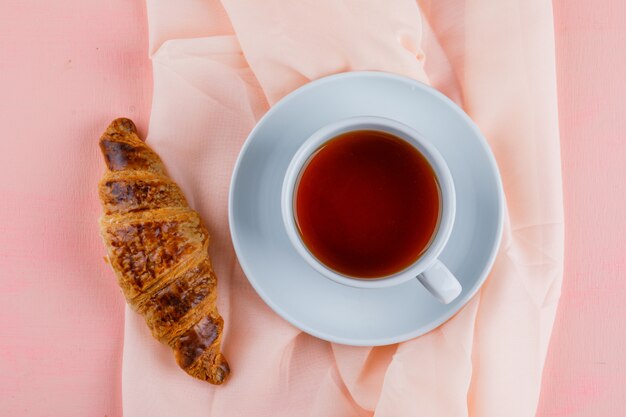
(460, 302)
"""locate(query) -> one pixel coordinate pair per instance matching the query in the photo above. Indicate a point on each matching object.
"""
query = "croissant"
(157, 247)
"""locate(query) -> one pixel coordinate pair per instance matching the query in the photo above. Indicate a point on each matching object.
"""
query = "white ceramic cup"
(428, 269)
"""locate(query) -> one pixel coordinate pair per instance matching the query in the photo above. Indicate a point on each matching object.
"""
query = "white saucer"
(293, 289)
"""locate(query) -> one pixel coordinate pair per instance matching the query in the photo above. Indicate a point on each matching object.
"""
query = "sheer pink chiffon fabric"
(219, 66)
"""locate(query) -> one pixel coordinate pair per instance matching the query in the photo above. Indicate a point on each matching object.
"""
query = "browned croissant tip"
(221, 370)
(213, 369)
(124, 150)
(122, 125)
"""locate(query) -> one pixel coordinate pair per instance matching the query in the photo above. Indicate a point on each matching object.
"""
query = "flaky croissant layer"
(157, 247)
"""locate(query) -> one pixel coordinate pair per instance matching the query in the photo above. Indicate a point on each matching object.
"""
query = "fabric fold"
(219, 66)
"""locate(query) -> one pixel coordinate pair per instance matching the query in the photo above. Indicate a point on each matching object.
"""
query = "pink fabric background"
(207, 59)
(67, 69)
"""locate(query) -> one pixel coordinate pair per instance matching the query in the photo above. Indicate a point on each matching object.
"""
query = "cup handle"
(440, 282)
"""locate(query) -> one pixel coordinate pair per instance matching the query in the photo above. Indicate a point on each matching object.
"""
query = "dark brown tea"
(367, 204)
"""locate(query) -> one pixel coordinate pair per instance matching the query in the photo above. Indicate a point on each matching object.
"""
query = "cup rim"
(444, 178)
